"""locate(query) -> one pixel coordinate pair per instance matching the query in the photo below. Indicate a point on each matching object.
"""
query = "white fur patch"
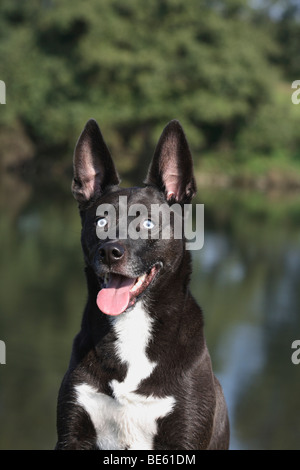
(129, 420)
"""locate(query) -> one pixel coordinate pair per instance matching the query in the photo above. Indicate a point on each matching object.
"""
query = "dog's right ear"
(92, 164)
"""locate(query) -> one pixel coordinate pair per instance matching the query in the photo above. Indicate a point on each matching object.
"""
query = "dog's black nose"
(111, 253)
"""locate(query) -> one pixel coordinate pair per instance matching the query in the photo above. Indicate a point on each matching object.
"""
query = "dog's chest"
(128, 420)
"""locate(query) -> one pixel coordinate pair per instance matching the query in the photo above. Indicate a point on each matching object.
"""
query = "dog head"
(129, 235)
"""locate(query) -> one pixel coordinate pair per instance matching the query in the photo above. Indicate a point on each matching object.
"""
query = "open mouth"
(120, 292)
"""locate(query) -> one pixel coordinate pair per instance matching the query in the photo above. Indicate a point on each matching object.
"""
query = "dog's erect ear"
(92, 164)
(171, 168)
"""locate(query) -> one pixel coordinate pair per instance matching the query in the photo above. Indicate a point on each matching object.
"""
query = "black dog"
(140, 374)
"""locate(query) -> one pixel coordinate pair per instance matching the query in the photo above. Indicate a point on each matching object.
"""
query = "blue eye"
(102, 222)
(148, 224)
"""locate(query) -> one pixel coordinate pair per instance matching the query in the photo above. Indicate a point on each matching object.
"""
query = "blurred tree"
(288, 34)
(282, 17)
(134, 67)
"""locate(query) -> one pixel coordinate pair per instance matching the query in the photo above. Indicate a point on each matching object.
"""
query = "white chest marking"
(129, 420)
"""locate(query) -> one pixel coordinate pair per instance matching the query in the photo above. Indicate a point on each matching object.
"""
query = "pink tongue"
(114, 298)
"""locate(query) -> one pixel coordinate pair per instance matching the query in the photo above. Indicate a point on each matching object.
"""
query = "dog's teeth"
(140, 281)
(142, 278)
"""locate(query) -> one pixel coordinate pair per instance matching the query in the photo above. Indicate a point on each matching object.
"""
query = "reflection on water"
(250, 295)
(246, 278)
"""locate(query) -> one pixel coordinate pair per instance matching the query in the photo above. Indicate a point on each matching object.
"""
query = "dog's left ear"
(171, 169)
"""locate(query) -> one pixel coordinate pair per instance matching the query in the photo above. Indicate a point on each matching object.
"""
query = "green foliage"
(134, 66)
(274, 128)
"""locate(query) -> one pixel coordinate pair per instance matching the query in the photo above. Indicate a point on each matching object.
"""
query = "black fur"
(199, 419)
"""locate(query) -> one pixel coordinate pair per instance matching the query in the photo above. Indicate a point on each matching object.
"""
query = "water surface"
(246, 278)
